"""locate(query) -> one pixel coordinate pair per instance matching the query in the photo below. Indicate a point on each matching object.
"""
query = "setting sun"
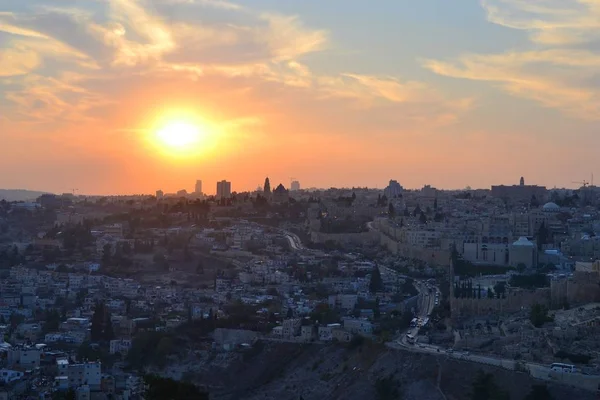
(179, 135)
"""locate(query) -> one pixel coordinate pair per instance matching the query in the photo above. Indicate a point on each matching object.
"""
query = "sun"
(179, 135)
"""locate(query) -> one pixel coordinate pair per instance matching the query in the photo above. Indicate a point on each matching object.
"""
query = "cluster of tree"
(348, 201)
(158, 388)
(408, 288)
(485, 388)
(530, 281)
(10, 258)
(150, 348)
(52, 321)
(539, 315)
(382, 201)
(76, 237)
(120, 257)
(387, 388)
(467, 269)
(565, 201)
(102, 328)
(347, 225)
(323, 314)
(575, 358)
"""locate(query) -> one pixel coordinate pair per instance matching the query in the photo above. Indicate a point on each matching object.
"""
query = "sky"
(332, 93)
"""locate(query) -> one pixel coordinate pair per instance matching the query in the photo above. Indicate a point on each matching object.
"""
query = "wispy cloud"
(148, 40)
(556, 74)
(17, 61)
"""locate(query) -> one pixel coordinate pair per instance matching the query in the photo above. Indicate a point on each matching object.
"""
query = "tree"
(534, 203)
(542, 235)
(376, 283)
(387, 388)
(521, 267)
(106, 253)
(500, 289)
(539, 392)
(422, 218)
(391, 210)
(97, 323)
(376, 310)
(108, 332)
(52, 322)
(539, 315)
(485, 388)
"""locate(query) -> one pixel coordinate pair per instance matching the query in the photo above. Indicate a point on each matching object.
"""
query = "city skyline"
(131, 94)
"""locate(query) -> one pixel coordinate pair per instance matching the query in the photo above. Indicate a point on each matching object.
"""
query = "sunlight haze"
(430, 92)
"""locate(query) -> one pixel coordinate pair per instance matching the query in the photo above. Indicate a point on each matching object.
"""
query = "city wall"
(513, 302)
(432, 256)
(583, 288)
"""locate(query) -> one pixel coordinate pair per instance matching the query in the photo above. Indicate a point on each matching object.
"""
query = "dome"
(523, 241)
(551, 207)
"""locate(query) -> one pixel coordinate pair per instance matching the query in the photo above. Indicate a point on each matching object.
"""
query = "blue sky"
(449, 93)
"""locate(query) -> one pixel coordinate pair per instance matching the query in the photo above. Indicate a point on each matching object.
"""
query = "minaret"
(522, 182)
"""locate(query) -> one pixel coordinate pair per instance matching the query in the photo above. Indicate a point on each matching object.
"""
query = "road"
(294, 240)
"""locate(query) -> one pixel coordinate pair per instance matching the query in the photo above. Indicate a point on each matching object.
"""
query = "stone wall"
(514, 301)
(583, 288)
(432, 256)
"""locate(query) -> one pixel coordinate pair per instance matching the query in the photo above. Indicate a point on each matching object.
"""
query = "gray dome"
(524, 242)
(551, 207)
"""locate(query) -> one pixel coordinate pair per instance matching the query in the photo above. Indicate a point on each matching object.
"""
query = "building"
(520, 192)
(120, 346)
(198, 188)
(281, 195)
(24, 357)
(523, 251)
(160, 194)
(267, 187)
(7, 376)
(223, 189)
(358, 326)
(87, 373)
(394, 189)
(182, 193)
(295, 186)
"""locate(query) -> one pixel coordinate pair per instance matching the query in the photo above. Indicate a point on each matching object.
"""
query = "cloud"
(556, 75)
(70, 49)
(17, 61)
(550, 22)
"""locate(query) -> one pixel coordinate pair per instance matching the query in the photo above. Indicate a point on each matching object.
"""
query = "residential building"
(198, 188)
(24, 357)
(295, 186)
(223, 190)
(358, 326)
(120, 346)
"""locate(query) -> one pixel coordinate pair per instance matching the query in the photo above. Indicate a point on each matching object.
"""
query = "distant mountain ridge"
(19, 194)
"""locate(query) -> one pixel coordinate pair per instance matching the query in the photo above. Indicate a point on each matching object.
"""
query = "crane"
(583, 183)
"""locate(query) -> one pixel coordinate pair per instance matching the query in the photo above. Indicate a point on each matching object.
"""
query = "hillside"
(19, 194)
(287, 371)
